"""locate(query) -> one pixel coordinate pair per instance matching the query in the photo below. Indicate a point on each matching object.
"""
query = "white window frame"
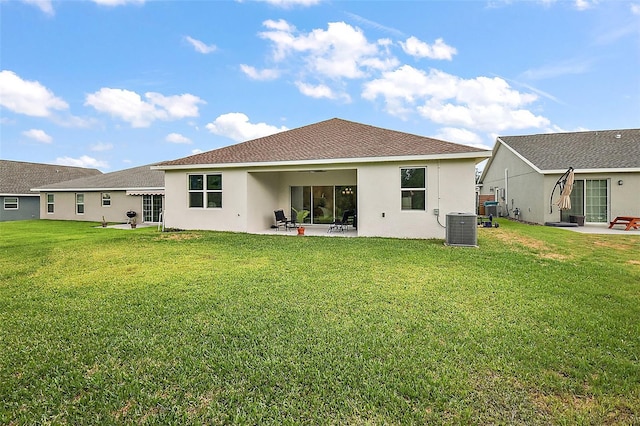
(204, 191)
(17, 203)
(80, 204)
(404, 189)
(51, 203)
(107, 199)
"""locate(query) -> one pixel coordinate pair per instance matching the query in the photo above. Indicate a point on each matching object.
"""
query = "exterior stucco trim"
(343, 161)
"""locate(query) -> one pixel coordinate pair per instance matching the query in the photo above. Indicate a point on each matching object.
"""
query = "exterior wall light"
(620, 182)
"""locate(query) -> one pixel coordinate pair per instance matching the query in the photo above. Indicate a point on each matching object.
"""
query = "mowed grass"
(107, 326)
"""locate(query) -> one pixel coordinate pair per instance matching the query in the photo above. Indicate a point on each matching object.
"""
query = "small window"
(106, 199)
(79, 203)
(413, 188)
(214, 191)
(50, 203)
(211, 192)
(11, 203)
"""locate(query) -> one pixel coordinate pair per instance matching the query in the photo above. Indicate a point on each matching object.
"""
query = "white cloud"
(117, 2)
(130, 107)
(98, 147)
(236, 126)
(364, 21)
(254, 74)
(200, 46)
(482, 103)
(494, 117)
(177, 106)
(39, 135)
(27, 97)
(44, 5)
(635, 8)
(420, 49)
(177, 138)
(320, 91)
(584, 4)
(291, 3)
(83, 161)
(340, 51)
(458, 135)
(567, 67)
(196, 151)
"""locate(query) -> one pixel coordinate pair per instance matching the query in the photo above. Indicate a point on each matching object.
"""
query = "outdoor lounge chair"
(281, 219)
(341, 224)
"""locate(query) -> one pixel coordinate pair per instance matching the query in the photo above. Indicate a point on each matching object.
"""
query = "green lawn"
(107, 326)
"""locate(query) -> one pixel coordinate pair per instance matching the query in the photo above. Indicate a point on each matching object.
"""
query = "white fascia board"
(481, 155)
(592, 171)
(98, 189)
(19, 195)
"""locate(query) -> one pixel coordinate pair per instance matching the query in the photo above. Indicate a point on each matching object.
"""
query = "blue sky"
(114, 84)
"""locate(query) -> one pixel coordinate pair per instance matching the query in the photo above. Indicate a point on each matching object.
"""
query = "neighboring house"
(110, 195)
(401, 185)
(17, 200)
(523, 172)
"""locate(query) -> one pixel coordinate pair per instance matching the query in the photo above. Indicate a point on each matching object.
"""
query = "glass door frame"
(316, 198)
(156, 209)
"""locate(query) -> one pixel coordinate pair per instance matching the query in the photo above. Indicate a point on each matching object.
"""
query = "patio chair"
(281, 219)
(341, 224)
(293, 223)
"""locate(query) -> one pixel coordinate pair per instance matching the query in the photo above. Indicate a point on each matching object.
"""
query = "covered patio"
(312, 231)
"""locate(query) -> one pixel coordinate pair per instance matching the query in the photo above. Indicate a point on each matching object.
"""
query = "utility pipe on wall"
(506, 191)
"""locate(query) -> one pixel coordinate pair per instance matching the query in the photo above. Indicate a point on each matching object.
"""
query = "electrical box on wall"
(436, 212)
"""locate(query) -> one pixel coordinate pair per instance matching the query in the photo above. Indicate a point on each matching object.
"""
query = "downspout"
(438, 215)
(506, 191)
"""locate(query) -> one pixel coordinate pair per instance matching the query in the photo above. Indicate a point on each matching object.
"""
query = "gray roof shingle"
(602, 149)
(18, 177)
(326, 140)
(134, 178)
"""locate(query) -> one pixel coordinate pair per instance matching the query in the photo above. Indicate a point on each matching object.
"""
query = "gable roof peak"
(326, 140)
(586, 150)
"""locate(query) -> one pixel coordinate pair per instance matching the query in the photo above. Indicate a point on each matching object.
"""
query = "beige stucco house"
(109, 195)
(523, 171)
(399, 184)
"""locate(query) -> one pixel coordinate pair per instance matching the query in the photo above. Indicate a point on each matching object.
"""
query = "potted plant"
(300, 217)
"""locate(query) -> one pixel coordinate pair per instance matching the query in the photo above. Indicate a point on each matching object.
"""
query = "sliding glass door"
(596, 200)
(301, 200)
(589, 198)
(151, 208)
(322, 204)
(325, 203)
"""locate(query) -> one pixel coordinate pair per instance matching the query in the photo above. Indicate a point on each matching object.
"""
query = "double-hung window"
(79, 203)
(413, 186)
(106, 199)
(50, 203)
(11, 203)
(205, 191)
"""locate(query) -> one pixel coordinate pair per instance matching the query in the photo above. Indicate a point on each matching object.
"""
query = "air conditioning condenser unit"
(462, 229)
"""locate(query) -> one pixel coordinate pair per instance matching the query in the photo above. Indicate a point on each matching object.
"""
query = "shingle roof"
(135, 178)
(326, 140)
(602, 149)
(18, 177)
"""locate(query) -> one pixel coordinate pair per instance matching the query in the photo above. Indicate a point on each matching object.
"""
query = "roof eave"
(80, 189)
(477, 155)
(10, 194)
(591, 171)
